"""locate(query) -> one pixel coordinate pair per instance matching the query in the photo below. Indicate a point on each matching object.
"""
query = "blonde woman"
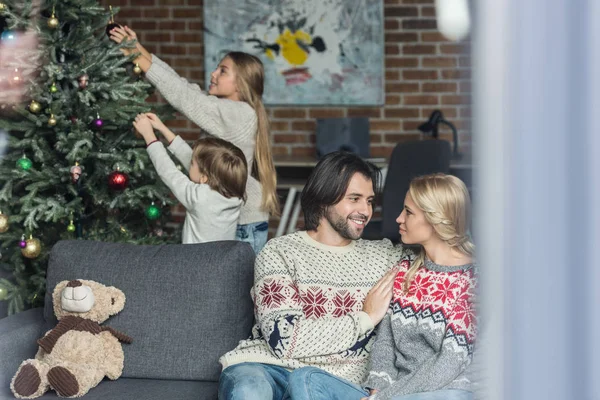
(232, 110)
(425, 342)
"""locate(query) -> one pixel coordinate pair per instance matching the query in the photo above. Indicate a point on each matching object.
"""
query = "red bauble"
(118, 180)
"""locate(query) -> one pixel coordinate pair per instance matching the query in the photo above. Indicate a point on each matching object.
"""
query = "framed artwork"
(315, 52)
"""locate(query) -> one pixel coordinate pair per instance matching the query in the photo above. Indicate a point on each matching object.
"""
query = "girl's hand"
(156, 122)
(143, 125)
(378, 300)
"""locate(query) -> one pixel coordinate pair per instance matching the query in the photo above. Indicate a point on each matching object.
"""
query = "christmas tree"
(74, 168)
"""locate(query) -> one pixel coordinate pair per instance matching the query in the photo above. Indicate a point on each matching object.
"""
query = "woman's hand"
(378, 300)
(120, 33)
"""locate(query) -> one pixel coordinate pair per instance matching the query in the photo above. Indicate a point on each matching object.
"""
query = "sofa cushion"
(186, 304)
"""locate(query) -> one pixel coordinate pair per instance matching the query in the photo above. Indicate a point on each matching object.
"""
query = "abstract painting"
(315, 52)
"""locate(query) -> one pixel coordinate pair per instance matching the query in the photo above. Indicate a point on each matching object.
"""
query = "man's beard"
(342, 226)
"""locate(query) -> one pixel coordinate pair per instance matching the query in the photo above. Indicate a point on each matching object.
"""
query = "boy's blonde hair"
(250, 76)
(224, 164)
(445, 201)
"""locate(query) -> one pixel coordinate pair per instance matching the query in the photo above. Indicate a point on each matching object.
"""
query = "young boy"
(214, 192)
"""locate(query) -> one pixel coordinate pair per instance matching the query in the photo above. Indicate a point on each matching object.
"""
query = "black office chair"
(408, 160)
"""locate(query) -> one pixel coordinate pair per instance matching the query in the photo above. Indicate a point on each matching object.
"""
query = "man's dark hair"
(329, 181)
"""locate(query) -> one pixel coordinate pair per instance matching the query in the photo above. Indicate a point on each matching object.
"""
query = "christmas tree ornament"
(3, 293)
(137, 70)
(73, 119)
(3, 222)
(153, 212)
(24, 163)
(111, 23)
(35, 107)
(53, 88)
(98, 122)
(83, 81)
(16, 77)
(71, 227)
(118, 180)
(52, 121)
(8, 37)
(75, 172)
(2, 7)
(22, 242)
(53, 21)
(32, 248)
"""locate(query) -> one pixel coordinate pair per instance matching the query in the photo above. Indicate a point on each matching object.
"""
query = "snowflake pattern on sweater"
(308, 300)
(426, 340)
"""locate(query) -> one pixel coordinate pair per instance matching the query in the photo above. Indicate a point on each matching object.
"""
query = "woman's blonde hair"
(250, 79)
(445, 202)
(224, 164)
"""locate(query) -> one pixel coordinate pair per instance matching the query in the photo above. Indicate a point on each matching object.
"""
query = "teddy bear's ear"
(117, 299)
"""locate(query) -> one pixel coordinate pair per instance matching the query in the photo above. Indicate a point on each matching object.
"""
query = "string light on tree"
(33, 247)
(53, 88)
(8, 36)
(3, 222)
(24, 163)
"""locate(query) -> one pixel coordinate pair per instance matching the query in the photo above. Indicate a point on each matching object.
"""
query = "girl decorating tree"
(231, 110)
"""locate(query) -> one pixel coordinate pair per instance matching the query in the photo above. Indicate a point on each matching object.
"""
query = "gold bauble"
(35, 107)
(3, 223)
(137, 70)
(32, 248)
(2, 7)
(52, 22)
(51, 121)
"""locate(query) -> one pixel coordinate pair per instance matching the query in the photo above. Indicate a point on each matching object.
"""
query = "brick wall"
(424, 72)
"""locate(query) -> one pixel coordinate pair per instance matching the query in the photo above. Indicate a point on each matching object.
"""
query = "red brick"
(439, 87)
(304, 151)
(418, 49)
(375, 138)
(191, 12)
(448, 112)
(178, 49)
(279, 150)
(194, 2)
(416, 1)
(364, 112)
(144, 2)
(432, 37)
(195, 26)
(464, 61)
(402, 113)
(411, 125)
(396, 37)
(465, 112)
(128, 13)
(385, 125)
(401, 11)
(391, 24)
(428, 12)
(309, 125)
(436, 62)
(419, 74)
(381, 151)
(159, 37)
(392, 75)
(465, 87)
(185, 62)
(163, 13)
(392, 49)
(326, 113)
(289, 113)
(144, 25)
(458, 100)
(456, 74)
(419, 24)
(172, 25)
(396, 87)
(421, 100)
(280, 126)
(290, 138)
(192, 37)
(454, 48)
(401, 62)
(392, 99)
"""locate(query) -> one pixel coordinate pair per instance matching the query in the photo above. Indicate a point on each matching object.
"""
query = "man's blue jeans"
(253, 381)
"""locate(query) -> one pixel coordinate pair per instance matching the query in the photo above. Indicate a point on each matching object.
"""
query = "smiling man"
(318, 293)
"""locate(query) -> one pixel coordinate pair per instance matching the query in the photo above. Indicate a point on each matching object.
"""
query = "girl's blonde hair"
(445, 201)
(224, 164)
(250, 79)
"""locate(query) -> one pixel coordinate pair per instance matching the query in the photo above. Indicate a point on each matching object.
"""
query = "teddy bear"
(79, 352)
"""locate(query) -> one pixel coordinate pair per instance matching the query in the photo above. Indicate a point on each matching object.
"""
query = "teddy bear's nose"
(74, 283)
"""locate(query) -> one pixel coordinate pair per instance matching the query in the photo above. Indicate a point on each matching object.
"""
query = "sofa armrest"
(18, 341)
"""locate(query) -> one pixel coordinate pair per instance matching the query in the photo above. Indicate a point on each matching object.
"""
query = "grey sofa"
(186, 306)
